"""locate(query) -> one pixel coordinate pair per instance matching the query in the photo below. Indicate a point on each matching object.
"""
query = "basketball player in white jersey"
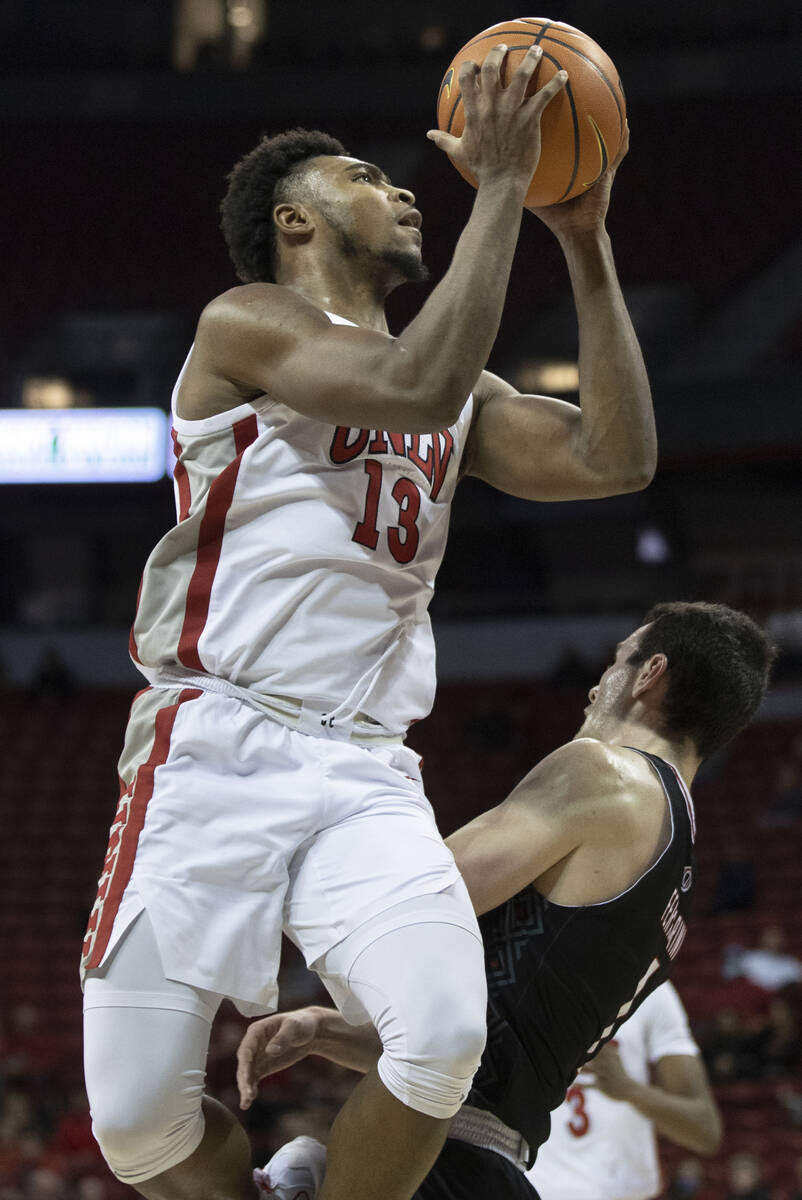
(282, 628)
(603, 1143)
(583, 878)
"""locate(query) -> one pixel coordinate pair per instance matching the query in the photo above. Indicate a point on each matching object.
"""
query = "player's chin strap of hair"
(483, 1129)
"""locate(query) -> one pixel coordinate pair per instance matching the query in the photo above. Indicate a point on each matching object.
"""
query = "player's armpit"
(547, 816)
(266, 340)
(539, 448)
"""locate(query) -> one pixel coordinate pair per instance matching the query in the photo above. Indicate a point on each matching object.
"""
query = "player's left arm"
(679, 1102)
(570, 795)
(541, 448)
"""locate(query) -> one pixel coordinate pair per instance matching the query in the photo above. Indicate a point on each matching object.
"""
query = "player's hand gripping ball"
(581, 128)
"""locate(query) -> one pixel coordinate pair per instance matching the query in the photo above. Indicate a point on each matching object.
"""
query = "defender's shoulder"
(573, 777)
(599, 786)
(588, 759)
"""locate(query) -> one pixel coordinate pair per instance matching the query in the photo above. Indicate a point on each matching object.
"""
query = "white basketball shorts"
(232, 826)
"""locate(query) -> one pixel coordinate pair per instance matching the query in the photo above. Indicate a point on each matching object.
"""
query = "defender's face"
(611, 697)
(371, 214)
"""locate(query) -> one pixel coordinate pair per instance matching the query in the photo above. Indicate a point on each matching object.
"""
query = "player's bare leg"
(219, 1169)
(379, 1149)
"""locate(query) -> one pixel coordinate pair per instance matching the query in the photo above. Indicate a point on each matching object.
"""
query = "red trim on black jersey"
(210, 544)
(124, 836)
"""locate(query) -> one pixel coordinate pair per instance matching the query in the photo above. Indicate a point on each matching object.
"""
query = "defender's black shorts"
(465, 1172)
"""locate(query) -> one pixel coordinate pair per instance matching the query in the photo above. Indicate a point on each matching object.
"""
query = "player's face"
(611, 697)
(372, 219)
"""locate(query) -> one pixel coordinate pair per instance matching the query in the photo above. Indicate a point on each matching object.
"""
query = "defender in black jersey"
(583, 880)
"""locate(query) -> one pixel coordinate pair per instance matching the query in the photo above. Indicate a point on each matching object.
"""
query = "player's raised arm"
(268, 339)
(541, 448)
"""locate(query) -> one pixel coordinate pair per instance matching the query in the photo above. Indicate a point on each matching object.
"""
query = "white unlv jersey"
(303, 562)
(603, 1149)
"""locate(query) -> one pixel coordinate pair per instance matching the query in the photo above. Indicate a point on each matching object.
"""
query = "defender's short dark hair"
(247, 207)
(718, 669)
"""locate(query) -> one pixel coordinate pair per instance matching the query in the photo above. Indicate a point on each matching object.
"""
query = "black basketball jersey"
(562, 979)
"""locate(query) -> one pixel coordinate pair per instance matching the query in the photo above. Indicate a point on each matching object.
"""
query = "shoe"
(295, 1172)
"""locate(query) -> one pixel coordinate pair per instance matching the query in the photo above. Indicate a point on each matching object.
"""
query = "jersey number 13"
(403, 538)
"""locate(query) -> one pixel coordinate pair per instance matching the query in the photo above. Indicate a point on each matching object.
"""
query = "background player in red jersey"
(290, 600)
(584, 875)
(649, 1081)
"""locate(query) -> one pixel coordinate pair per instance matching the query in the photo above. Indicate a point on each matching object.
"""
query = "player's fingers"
(491, 67)
(246, 1049)
(524, 72)
(245, 1083)
(543, 95)
(443, 141)
(468, 79)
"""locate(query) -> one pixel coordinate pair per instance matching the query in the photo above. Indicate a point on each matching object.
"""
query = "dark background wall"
(114, 163)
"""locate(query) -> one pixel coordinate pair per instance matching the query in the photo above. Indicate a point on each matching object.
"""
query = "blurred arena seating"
(59, 797)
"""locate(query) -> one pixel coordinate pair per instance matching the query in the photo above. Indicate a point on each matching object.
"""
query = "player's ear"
(650, 675)
(293, 220)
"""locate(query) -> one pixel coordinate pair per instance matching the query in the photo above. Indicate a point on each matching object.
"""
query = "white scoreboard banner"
(84, 445)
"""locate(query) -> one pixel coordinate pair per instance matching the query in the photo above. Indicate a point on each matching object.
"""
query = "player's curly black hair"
(257, 183)
(718, 668)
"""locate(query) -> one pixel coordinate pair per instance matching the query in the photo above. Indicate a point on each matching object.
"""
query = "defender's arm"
(277, 1042)
(547, 816)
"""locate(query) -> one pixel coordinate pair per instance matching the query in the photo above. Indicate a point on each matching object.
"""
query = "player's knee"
(430, 1057)
(140, 1140)
(451, 1032)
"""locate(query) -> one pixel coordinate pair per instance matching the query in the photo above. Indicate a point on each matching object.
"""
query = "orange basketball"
(581, 128)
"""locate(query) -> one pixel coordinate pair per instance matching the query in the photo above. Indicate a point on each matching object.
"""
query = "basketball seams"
(554, 38)
(495, 33)
(575, 120)
(590, 62)
(543, 35)
(545, 26)
(454, 112)
(605, 162)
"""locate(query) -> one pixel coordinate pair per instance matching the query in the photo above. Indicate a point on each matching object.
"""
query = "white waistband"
(483, 1129)
(289, 710)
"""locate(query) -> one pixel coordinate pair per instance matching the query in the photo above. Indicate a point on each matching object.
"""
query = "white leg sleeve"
(417, 974)
(145, 1044)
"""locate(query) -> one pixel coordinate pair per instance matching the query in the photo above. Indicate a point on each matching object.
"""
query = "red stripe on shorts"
(210, 544)
(124, 837)
(181, 480)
